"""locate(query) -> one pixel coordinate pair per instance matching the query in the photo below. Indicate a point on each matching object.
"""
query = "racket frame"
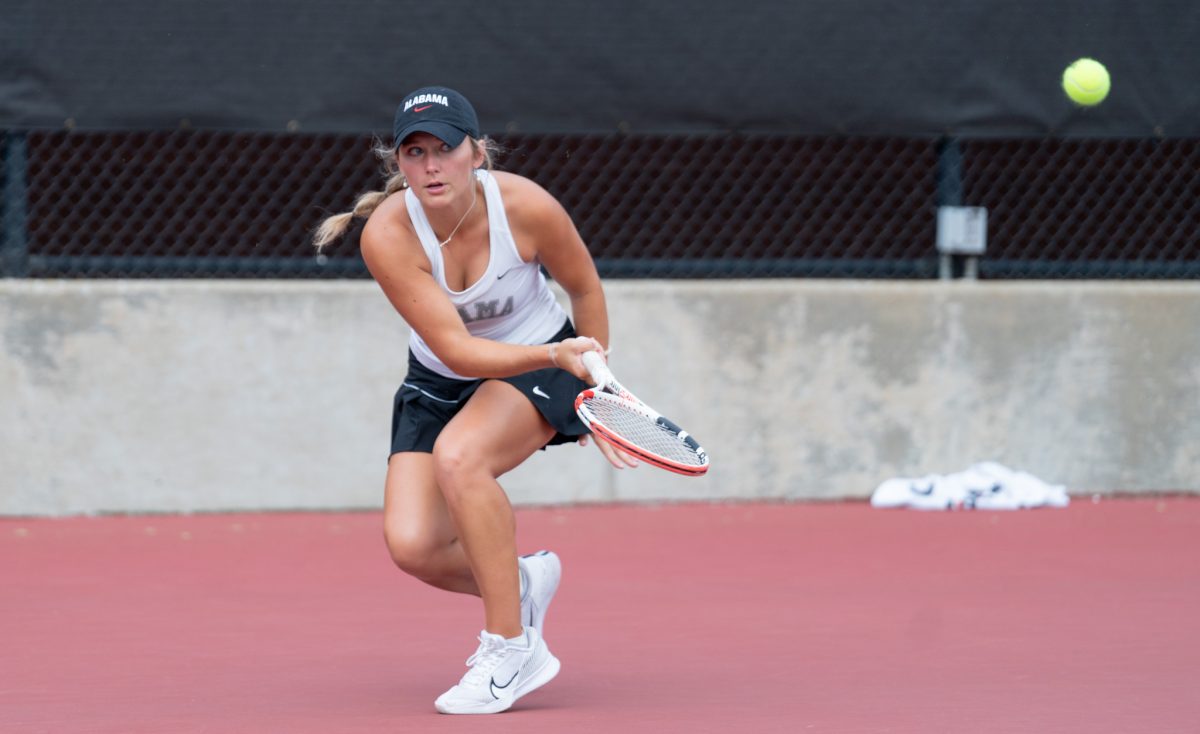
(607, 388)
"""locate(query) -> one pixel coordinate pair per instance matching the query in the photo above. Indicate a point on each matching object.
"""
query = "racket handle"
(596, 368)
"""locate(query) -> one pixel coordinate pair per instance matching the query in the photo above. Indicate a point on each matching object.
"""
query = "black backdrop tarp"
(858, 67)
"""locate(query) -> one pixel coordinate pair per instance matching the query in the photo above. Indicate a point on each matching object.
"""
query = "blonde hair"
(333, 228)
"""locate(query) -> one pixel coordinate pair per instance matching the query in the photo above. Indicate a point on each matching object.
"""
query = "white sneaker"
(543, 571)
(501, 672)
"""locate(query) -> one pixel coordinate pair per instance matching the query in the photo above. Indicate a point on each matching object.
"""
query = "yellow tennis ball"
(1086, 82)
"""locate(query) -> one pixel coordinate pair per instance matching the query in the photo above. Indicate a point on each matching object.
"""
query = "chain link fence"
(201, 204)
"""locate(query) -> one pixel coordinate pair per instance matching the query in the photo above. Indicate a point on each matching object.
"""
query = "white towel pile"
(983, 486)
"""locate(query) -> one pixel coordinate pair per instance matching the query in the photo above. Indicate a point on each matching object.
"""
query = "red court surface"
(682, 618)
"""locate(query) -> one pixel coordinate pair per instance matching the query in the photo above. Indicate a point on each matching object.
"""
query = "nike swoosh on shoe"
(494, 685)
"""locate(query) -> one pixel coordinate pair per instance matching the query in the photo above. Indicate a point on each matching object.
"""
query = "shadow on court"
(679, 618)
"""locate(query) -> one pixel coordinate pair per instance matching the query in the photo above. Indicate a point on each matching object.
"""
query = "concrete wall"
(131, 396)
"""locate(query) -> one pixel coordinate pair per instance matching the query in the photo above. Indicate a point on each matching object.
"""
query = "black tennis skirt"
(427, 401)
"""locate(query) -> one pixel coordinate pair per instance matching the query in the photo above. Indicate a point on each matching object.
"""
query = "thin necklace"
(474, 196)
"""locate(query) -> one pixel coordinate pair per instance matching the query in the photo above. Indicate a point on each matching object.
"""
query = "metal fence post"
(14, 247)
(948, 192)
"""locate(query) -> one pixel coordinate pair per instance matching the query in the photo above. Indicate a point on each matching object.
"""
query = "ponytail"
(333, 228)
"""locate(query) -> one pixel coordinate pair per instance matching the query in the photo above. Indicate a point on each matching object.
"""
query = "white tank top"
(510, 302)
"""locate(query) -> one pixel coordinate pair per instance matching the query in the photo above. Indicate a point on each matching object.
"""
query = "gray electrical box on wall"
(962, 230)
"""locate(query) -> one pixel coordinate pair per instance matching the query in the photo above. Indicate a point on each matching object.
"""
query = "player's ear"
(479, 153)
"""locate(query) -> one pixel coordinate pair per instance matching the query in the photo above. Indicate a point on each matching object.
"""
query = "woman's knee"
(413, 551)
(454, 463)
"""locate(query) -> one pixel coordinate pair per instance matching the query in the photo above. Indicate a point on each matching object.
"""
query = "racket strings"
(642, 431)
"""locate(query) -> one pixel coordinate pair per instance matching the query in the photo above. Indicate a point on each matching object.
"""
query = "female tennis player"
(494, 367)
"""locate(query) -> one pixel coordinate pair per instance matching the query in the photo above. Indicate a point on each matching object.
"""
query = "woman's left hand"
(618, 458)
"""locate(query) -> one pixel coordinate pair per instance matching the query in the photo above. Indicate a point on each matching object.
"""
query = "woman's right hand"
(568, 355)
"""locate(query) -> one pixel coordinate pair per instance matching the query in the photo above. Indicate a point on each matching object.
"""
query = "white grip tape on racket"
(596, 367)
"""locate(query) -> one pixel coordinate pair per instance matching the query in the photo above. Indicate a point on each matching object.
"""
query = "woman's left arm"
(561, 250)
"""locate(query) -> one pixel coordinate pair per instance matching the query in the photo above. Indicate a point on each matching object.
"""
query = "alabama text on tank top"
(510, 302)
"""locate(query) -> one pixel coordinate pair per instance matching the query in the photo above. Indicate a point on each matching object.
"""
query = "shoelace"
(485, 658)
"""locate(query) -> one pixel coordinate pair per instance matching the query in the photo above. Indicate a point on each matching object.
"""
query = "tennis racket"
(617, 416)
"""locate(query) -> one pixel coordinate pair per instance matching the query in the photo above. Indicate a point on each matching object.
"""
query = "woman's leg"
(495, 431)
(417, 527)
